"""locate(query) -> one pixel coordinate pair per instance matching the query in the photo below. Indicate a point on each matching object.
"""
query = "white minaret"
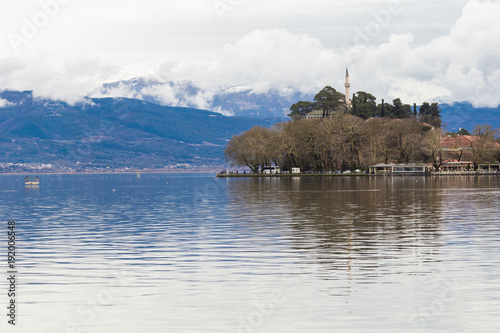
(347, 86)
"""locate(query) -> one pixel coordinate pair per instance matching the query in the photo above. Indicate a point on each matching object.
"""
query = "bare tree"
(484, 147)
(375, 133)
(406, 136)
(254, 148)
(432, 147)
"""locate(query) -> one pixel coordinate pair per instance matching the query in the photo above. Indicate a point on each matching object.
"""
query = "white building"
(271, 170)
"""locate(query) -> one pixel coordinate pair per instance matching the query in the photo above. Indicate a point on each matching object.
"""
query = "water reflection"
(344, 254)
(376, 220)
(408, 232)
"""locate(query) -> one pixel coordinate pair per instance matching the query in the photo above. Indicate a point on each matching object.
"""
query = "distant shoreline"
(103, 172)
(240, 175)
(251, 175)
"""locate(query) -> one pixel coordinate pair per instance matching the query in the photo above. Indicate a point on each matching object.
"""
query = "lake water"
(192, 253)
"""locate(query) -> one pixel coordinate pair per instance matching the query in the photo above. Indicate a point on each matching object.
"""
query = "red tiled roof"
(463, 141)
(456, 161)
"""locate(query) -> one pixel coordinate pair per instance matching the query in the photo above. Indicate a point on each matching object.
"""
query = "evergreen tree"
(354, 105)
(400, 111)
(300, 109)
(435, 113)
(328, 99)
(430, 114)
(366, 107)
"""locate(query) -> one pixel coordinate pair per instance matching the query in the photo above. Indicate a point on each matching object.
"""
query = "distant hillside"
(241, 101)
(113, 132)
(464, 115)
(121, 132)
(238, 101)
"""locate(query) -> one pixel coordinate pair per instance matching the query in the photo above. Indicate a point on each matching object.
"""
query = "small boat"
(34, 181)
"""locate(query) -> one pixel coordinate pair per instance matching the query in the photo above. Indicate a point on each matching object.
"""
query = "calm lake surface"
(192, 253)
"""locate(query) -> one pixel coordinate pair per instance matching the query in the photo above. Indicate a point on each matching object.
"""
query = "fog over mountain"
(242, 101)
(236, 100)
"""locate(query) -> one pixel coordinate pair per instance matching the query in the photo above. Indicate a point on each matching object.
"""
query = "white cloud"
(121, 90)
(462, 63)
(270, 59)
(5, 103)
(70, 80)
(137, 30)
(465, 62)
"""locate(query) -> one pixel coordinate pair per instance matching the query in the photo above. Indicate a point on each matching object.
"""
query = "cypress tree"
(354, 105)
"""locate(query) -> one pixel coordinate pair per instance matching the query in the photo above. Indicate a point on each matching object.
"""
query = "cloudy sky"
(418, 50)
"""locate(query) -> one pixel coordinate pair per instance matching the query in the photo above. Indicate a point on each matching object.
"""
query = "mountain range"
(232, 100)
(243, 101)
(465, 115)
(140, 132)
(113, 132)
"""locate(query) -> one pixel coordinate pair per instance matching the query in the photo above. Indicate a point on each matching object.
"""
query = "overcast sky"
(418, 50)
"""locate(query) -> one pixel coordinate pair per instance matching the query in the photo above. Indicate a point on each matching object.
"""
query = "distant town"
(39, 168)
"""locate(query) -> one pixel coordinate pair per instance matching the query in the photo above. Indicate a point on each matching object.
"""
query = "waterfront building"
(489, 168)
(456, 166)
(271, 170)
(400, 169)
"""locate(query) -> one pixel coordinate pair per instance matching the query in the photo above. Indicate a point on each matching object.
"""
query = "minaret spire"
(347, 86)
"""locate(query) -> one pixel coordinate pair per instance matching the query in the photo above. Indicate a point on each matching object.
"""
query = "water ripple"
(191, 253)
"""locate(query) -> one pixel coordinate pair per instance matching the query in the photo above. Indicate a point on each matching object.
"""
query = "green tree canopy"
(400, 110)
(364, 105)
(384, 109)
(430, 113)
(328, 99)
(300, 109)
(463, 131)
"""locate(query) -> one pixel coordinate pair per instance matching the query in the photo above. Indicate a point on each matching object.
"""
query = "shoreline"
(101, 172)
(251, 175)
(351, 175)
(248, 175)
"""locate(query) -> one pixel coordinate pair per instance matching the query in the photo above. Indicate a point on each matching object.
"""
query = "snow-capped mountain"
(234, 100)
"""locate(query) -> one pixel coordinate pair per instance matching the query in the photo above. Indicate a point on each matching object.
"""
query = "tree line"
(364, 105)
(347, 142)
(349, 138)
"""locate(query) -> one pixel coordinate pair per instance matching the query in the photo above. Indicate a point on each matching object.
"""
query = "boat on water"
(34, 181)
